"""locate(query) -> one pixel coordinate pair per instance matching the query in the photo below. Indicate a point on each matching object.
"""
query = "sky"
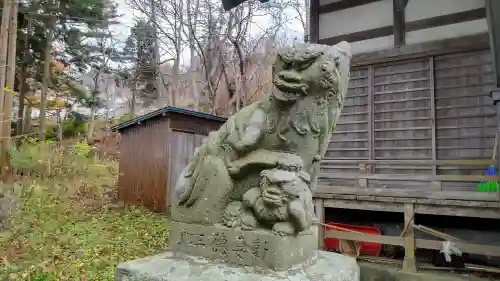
(126, 20)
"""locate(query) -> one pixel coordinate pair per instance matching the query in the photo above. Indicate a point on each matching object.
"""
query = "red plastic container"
(365, 248)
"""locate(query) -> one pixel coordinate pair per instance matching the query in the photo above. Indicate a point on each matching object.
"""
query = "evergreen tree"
(141, 51)
(77, 28)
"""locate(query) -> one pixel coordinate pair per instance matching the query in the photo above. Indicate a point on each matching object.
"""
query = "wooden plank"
(364, 205)
(314, 11)
(427, 206)
(349, 131)
(384, 239)
(457, 162)
(402, 91)
(401, 71)
(435, 184)
(398, 15)
(354, 113)
(403, 110)
(320, 214)
(403, 80)
(404, 148)
(458, 211)
(346, 149)
(436, 233)
(408, 138)
(445, 46)
(370, 112)
(363, 183)
(399, 129)
(464, 247)
(322, 190)
(342, 5)
(353, 122)
(401, 100)
(411, 177)
(459, 17)
(419, 243)
(350, 140)
(409, 263)
(401, 167)
(410, 26)
(359, 35)
(476, 205)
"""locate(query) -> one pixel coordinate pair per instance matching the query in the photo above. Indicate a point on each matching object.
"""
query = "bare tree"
(221, 46)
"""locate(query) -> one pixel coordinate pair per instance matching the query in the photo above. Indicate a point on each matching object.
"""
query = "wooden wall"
(154, 153)
(144, 165)
(373, 25)
(182, 146)
(402, 117)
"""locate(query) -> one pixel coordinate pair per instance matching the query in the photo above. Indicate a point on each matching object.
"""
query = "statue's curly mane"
(310, 111)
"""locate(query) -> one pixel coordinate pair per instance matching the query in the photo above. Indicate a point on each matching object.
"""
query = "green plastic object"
(489, 186)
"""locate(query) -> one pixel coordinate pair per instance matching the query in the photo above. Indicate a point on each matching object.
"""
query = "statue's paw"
(183, 199)
(239, 146)
(233, 170)
(231, 217)
(283, 229)
(305, 232)
(317, 158)
(231, 222)
(290, 162)
(248, 221)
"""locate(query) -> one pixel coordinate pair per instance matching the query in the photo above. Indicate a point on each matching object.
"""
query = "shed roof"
(163, 111)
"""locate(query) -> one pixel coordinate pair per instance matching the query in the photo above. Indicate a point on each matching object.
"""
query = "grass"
(64, 223)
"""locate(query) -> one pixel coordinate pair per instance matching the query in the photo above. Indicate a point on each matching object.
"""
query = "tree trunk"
(27, 119)
(4, 35)
(196, 95)
(192, 20)
(307, 24)
(11, 78)
(132, 102)
(23, 84)
(46, 77)
(59, 131)
(175, 76)
(156, 53)
(90, 130)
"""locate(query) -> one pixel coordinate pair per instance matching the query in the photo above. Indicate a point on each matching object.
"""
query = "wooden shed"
(418, 127)
(154, 148)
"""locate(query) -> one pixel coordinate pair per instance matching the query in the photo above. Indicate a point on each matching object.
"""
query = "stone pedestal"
(171, 266)
(250, 248)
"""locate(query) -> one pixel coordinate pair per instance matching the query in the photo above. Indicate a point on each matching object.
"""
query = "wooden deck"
(409, 194)
(440, 192)
(409, 206)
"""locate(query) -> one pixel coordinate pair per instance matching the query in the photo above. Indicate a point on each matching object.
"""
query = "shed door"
(182, 146)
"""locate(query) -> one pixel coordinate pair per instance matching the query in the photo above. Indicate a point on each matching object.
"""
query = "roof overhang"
(230, 4)
(164, 112)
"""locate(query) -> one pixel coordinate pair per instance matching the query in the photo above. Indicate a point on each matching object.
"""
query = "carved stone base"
(172, 266)
(251, 248)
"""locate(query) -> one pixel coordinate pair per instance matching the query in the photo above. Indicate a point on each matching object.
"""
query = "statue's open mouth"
(272, 196)
(287, 91)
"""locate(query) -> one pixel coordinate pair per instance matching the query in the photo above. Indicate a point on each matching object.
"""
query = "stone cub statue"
(282, 202)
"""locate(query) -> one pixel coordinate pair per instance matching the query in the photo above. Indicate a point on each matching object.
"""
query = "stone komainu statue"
(259, 169)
